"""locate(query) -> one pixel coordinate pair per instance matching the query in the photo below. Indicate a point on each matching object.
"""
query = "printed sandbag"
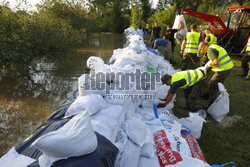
(170, 156)
(180, 35)
(220, 107)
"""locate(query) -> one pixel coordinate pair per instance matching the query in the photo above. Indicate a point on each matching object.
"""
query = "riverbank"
(229, 140)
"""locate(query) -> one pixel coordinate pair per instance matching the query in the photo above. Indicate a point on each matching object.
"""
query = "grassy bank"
(229, 140)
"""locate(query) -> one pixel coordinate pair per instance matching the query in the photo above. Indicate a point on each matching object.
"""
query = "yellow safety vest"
(191, 77)
(192, 43)
(225, 63)
(147, 26)
(213, 39)
(248, 45)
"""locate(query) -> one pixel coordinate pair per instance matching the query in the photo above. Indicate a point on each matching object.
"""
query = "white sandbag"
(130, 156)
(220, 107)
(171, 152)
(180, 35)
(75, 138)
(148, 148)
(94, 103)
(113, 112)
(14, 159)
(149, 162)
(95, 64)
(87, 86)
(105, 130)
(194, 122)
(136, 130)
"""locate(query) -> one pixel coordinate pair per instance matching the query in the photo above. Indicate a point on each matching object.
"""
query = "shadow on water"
(23, 108)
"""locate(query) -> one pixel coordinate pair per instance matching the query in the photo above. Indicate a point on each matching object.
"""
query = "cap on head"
(165, 78)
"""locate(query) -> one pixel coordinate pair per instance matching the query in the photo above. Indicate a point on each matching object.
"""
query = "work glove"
(161, 105)
(163, 99)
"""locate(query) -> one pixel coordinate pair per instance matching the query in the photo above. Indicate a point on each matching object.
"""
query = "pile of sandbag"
(143, 139)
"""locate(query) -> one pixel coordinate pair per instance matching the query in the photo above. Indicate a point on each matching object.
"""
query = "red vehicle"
(231, 34)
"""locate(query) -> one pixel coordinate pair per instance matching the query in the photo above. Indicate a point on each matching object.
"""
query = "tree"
(146, 9)
(136, 16)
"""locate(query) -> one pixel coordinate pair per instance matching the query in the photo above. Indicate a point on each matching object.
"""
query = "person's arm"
(215, 62)
(207, 39)
(168, 98)
(183, 47)
(181, 26)
(213, 54)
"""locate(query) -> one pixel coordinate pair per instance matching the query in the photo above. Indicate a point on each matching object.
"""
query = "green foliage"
(146, 9)
(25, 37)
(136, 16)
(165, 17)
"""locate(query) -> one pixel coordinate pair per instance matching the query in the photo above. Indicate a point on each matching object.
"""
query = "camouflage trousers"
(190, 61)
(245, 64)
(219, 76)
(168, 54)
(193, 93)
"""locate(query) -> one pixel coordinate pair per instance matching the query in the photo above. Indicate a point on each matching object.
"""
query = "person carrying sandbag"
(191, 83)
(221, 64)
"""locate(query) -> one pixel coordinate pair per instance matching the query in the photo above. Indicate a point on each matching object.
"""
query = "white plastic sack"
(75, 138)
(14, 159)
(87, 86)
(148, 148)
(220, 107)
(130, 156)
(94, 103)
(136, 130)
(107, 129)
(114, 112)
(149, 162)
(95, 64)
(194, 122)
(180, 35)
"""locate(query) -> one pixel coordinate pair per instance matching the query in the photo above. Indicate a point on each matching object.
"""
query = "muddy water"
(23, 108)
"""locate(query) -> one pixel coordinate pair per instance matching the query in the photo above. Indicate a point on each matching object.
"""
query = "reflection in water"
(22, 109)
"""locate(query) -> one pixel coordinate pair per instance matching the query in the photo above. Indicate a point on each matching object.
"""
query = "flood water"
(23, 108)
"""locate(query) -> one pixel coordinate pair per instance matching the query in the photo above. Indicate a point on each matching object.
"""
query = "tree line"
(60, 26)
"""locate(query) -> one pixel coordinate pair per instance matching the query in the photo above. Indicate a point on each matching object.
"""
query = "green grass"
(223, 144)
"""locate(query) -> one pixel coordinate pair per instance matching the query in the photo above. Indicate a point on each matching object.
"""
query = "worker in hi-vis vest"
(221, 64)
(189, 49)
(245, 61)
(210, 39)
(190, 81)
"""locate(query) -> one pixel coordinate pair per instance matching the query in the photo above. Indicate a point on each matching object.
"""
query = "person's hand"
(181, 53)
(161, 105)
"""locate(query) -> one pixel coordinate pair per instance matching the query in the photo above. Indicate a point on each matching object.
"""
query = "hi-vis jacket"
(191, 77)
(213, 39)
(192, 42)
(225, 63)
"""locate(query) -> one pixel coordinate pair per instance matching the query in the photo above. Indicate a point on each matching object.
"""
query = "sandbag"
(94, 103)
(14, 159)
(180, 35)
(95, 64)
(68, 141)
(136, 130)
(149, 162)
(148, 148)
(220, 107)
(194, 122)
(130, 155)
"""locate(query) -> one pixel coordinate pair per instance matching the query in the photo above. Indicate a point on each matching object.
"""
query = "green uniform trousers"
(218, 77)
